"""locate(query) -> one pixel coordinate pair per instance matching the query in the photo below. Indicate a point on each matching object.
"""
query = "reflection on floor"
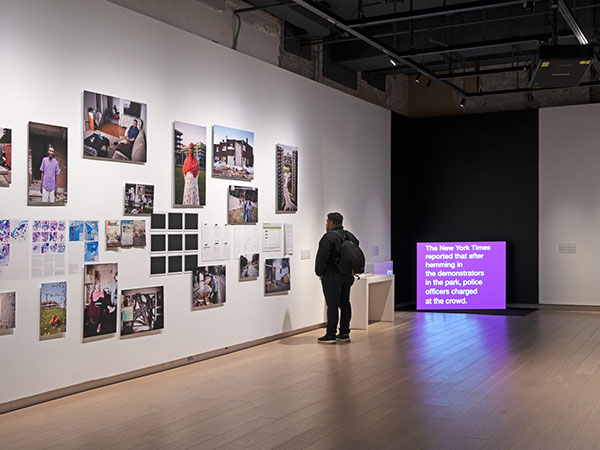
(427, 381)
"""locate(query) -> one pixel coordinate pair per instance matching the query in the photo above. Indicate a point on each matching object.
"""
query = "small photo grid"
(174, 242)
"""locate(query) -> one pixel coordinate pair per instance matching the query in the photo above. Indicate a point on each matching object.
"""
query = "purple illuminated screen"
(461, 275)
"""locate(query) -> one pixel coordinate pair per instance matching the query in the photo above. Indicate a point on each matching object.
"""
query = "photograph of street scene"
(249, 267)
(233, 153)
(208, 286)
(190, 165)
(287, 178)
(242, 205)
(277, 275)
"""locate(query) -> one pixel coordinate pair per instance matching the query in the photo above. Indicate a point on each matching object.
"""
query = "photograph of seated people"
(113, 128)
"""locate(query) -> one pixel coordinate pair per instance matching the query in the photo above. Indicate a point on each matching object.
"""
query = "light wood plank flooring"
(427, 381)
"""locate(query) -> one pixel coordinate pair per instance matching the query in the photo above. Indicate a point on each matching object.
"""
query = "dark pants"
(336, 289)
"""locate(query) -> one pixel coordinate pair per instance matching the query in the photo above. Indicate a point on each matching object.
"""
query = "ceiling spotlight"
(393, 62)
(429, 83)
(462, 103)
(418, 78)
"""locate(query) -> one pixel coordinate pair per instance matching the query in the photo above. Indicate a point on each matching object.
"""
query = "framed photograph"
(277, 275)
(158, 265)
(287, 178)
(142, 309)
(47, 178)
(114, 128)
(139, 199)
(100, 287)
(190, 165)
(242, 205)
(5, 156)
(249, 267)
(208, 286)
(53, 308)
(158, 221)
(7, 310)
(233, 153)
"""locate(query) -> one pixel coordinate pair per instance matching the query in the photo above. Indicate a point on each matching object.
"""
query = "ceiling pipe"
(384, 48)
(525, 90)
(432, 12)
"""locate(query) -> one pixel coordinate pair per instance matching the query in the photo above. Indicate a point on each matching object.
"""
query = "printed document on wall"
(247, 240)
(288, 239)
(216, 242)
(272, 237)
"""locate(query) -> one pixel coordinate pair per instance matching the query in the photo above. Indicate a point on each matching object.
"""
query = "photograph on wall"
(190, 165)
(114, 128)
(142, 309)
(19, 230)
(233, 153)
(242, 204)
(208, 286)
(287, 178)
(47, 174)
(7, 310)
(139, 233)
(91, 251)
(100, 287)
(53, 308)
(249, 267)
(113, 234)
(91, 230)
(139, 199)
(5, 156)
(277, 275)
(126, 233)
(76, 230)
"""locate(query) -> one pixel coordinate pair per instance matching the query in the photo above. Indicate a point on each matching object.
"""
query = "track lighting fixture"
(418, 78)
(462, 103)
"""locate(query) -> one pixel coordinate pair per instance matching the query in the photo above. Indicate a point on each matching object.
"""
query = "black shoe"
(343, 337)
(326, 339)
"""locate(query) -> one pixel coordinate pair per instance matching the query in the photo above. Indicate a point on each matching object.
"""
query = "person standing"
(191, 168)
(336, 285)
(50, 170)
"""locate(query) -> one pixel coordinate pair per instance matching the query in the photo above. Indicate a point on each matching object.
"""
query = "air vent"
(567, 247)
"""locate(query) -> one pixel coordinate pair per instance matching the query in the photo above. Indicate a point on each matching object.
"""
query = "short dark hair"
(335, 217)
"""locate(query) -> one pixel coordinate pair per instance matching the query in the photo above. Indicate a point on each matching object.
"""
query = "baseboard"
(94, 384)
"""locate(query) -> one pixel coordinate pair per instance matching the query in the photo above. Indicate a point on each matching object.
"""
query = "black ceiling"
(430, 36)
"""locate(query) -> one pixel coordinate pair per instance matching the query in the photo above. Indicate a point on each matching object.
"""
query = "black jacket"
(330, 247)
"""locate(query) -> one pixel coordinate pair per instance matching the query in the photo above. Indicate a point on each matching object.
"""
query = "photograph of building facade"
(233, 153)
(287, 178)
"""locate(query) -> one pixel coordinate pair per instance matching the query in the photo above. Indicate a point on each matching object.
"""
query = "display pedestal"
(372, 299)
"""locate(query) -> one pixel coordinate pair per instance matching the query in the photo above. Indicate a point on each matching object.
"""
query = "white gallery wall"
(569, 208)
(52, 52)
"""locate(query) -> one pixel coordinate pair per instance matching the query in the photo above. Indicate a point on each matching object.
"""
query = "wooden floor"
(428, 381)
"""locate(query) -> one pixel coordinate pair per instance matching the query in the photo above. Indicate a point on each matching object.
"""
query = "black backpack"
(352, 258)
